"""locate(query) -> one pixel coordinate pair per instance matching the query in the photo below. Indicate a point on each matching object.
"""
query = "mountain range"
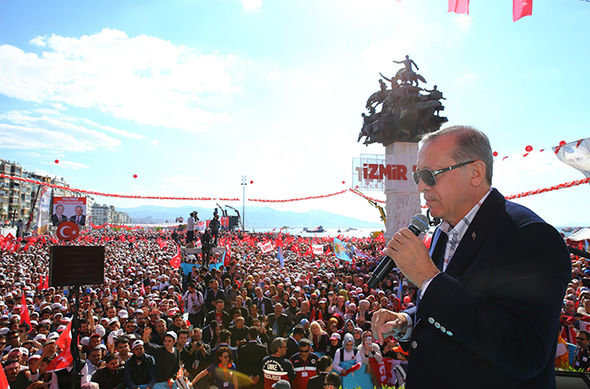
(256, 217)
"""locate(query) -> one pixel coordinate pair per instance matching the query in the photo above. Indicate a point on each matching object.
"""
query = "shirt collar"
(464, 223)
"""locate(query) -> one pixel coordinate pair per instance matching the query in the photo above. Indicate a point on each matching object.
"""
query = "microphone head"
(420, 223)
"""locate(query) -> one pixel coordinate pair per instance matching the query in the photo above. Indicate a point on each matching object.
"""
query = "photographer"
(195, 355)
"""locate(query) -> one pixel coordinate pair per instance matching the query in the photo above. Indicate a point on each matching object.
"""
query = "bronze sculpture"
(405, 113)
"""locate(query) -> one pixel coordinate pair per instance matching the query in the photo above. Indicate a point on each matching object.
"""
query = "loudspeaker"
(572, 380)
(76, 265)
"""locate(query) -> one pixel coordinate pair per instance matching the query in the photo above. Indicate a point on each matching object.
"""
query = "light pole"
(244, 183)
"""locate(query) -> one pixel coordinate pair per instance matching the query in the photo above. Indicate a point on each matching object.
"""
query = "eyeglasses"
(304, 351)
(429, 176)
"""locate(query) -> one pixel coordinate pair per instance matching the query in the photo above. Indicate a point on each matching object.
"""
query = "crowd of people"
(247, 323)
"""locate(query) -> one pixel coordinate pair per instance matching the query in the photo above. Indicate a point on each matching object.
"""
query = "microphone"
(418, 224)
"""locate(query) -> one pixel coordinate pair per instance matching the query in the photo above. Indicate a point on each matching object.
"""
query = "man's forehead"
(436, 153)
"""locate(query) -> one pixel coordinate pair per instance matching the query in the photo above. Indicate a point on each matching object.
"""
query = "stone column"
(402, 198)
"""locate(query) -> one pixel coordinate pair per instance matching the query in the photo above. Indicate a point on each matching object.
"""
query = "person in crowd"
(582, 358)
(167, 357)
(276, 367)
(332, 381)
(323, 366)
(140, 370)
(278, 322)
(249, 357)
(190, 228)
(293, 341)
(221, 371)
(319, 338)
(304, 364)
(111, 375)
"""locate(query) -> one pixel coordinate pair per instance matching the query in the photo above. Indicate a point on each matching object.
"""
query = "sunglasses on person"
(429, 176)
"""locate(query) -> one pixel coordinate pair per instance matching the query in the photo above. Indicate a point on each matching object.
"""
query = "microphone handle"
(381, 271)
(386, 264)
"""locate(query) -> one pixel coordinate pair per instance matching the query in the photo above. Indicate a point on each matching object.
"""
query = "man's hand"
(385, 323)
(411, 257)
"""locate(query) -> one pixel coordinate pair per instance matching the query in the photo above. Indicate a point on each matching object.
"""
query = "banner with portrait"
(71, 209)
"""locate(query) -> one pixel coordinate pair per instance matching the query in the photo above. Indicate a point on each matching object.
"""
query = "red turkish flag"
(65, 358)
(3, 380)
(227, 257)
(62, 361)
(175, 260)
(521, 8)
(459, 6)
(24, 311)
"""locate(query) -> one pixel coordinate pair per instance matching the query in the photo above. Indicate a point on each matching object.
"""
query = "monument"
(397, 115)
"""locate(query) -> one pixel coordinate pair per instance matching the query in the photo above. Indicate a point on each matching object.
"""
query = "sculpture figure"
(405, 112)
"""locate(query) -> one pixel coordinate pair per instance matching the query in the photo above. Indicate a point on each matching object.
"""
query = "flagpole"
(75, 328)
(244, 183)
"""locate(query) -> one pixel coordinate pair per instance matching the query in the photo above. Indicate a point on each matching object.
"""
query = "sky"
(192, 95)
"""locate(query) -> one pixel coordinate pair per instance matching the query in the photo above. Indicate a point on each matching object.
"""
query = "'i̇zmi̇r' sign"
(373, 172)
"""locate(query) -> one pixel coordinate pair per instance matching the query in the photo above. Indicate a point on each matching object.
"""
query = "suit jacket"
(250, 358)
(55, 220)
(82, 219)
(283, 324)
(491, 320)
(264, 301)
(225, 319)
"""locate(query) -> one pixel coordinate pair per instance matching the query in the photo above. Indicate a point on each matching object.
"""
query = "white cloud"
(252, 5)
(51, 130)
(144, 79)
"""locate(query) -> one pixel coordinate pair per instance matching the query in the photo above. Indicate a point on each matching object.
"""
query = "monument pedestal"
(402, 198)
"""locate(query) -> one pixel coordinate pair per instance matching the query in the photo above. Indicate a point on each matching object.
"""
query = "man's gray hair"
(276, 344)
(471, 144)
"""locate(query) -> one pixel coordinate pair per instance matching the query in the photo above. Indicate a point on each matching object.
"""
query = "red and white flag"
(265, 247)
(521, 8)
(459, 6)
(175, 260)
(317, 249)
(65, 358)
(3, 380)
(25, 317)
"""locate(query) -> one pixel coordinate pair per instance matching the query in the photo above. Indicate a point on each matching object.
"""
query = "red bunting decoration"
(355, 191)
(495, 153)
(251, 182)
(135, 176)
(562, 143)
(56, 161)
(529, 148)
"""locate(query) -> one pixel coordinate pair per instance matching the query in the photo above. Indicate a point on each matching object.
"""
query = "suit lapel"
(475, 234)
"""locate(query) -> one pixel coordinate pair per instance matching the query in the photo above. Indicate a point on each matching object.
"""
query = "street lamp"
(244, 183)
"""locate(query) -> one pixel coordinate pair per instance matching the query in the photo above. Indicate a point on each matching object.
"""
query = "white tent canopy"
(583, 234)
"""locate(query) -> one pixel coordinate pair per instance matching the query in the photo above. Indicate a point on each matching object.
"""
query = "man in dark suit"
(490, 297)
(250, 358)
(278, 323)
(58, 216)
(263, 303)
(79, 218)
(218, 315)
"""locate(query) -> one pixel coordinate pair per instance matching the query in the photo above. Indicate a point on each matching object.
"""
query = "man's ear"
(478, 173)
